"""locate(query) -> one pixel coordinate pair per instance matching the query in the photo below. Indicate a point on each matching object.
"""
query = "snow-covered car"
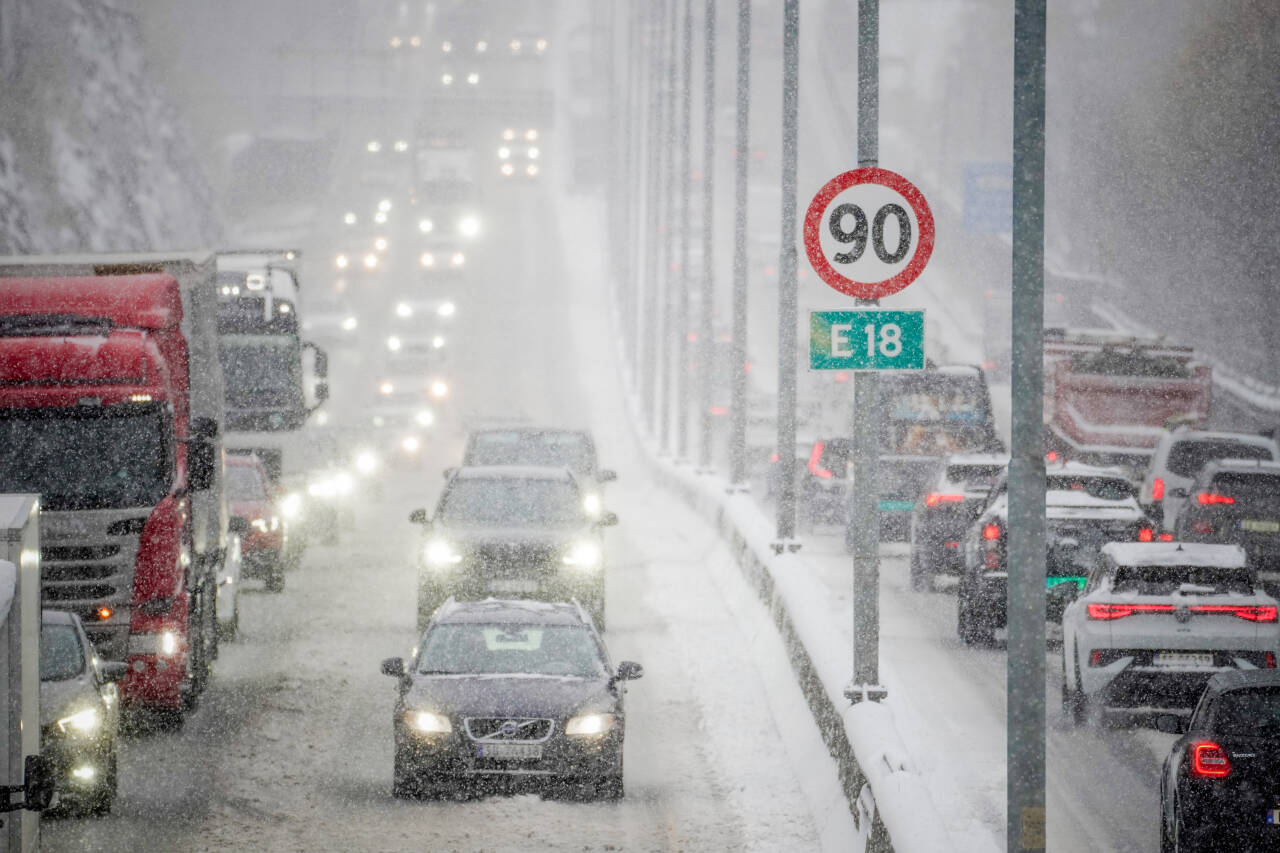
(1156, 621)
(955, 497)
(1085, 507)
(513, 531)
(1238, 501)
(1180, 455)
(513, 694)
(543, 446)
(1219, 783)
(79, 714)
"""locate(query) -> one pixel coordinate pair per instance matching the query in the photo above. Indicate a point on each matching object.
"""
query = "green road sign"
(866, 340)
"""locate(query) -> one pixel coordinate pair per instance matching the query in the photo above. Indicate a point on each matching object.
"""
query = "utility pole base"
(856, 693)
(790, 546)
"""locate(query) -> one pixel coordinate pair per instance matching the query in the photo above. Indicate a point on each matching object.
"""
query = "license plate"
(510, 751)
(1184, 660)
(1273, 817)
(513, 585)
(1255, 525)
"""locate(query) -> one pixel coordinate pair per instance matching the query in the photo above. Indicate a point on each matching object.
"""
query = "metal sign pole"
(1026, 604)
(653, 171)
(741, 144)
(787, 268)
(681, 330)
(708, 209)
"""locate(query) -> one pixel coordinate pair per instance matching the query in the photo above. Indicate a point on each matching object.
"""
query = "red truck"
(1109, 396)
(111, 408)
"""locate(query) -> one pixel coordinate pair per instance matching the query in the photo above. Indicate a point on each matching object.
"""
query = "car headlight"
(469, 226)
(342, 483)
(583, 555)
(439, 389)
(394, 343)
(427, 722)
(592, 505)
(589, 725)
(83, 723)
(424, 418)
(425, 225)
(427, 259)
(457, 259)
(349, 324)
(410, 444)
(366, 462)
(291, 506)
(153, 643)
(259, 524)
(440, 553)
(447, 309)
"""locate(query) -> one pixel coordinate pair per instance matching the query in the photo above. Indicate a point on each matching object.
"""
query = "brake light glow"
(1209, 761)
(1206, 498)
(1095, 657)
(1108, 610)
(1157, 489)
(1248, 612)
(815, 462)
(1146, 534)
(1269, 660)
(935, 498)
(991, 532)
(1166, 537)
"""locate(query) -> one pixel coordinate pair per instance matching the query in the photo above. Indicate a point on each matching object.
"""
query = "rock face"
(92, 156)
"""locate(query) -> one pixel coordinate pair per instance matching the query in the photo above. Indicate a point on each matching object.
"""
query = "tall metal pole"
(741, 145)
(666, 140)
(628, 276)
(648, 333)
(683, 280)
(864, 504)
(787, 268)
(708, 209)
(1026, 605)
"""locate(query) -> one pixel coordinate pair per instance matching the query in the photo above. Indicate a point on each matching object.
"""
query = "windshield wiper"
(440, 672)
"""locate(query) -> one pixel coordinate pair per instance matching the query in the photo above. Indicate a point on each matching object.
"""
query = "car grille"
(512, 558)
(509, 729)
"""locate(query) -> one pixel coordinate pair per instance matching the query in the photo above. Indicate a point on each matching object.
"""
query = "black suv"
(1237, 501)
(514, 532)
(516, 694)
(954, 499)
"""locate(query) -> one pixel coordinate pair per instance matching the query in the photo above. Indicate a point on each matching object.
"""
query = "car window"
(511, 502)
(60, 654)
(1248, 489)
(486, 648)
(1102, 488)
(570, 450)
(1251, 712)
(244, 483)
(1186, 458)
(1165, 580)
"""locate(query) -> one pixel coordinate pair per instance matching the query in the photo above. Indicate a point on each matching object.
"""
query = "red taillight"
(1166, 537)
(1247, 612)
(1206, 498)
(1269, 660)
(1146, 534)
(773, 457)
(1051, 456)
(1157, 489)
(719, 411)
(1210, 761)
(991, 532)
(1095, 657)
(1119, 611)
(815, 462)
(935, 498)
(951, 543)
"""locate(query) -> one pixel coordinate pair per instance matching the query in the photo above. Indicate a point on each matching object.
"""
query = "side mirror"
(628, 670)
(37, 785)
(1170, 724)
(607, 475)
(393, 667)
(608, 519)
(112, 670)
(418, 516)
(201, 464)
(238, 525)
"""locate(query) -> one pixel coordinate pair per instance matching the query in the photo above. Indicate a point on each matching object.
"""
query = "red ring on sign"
(868, 289)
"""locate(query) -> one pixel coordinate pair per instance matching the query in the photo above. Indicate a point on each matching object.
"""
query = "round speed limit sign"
(868, 233)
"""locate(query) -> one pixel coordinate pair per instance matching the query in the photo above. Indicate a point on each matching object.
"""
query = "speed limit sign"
(868, 233)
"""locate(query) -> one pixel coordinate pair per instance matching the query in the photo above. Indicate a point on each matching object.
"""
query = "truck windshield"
(262, 370)
(87, 457)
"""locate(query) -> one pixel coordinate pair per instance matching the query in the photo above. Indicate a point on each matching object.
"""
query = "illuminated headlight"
(386, 388)
(427, 722)
(533, 152)
(591, 504)
(84, 773)
(380, 217)
(457, 259)
(370, 261)
(446, 79)
(540, 45)
(473, 78)
(410, 444)
(437, 342)
(427, 260)
(374, 146)
(446, 309)
(415, 41)
(366, 462)
(83, 723)
(589, 725)
(393, 343)
(439, 389)
(514, 45)
(508, 170)
(440, 553)
(482, 46)
(384, 205)
(404, 309)
(321, 488)
(583, 555)
(531, 135)
(342, 261)
(425, 225)
(401, 145)
(349, 219)
(504, 153)
(531, 170)
(291, 506)
(153, 643)
(395, 42)
(380, 244)
(469, 226)
(349, 324)
(259, 524)
(446, 47)
(424, 418)
(342, 483)
(508, 134)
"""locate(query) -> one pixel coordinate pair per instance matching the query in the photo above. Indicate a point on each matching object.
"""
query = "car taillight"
(1248, 612)
(1209, 760)
(1166, 537)
(1206, 498)
(1146, 534)
(1157, 489)
(1269, 660)
(1095, 657)
(815, 462)
(935, 498)
(1119, 611)
(991, 532)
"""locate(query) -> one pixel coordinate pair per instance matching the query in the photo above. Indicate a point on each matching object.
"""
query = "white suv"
(1156, 621)
(1180, 455)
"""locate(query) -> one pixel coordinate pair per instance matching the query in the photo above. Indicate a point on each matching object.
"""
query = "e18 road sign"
(866, 340)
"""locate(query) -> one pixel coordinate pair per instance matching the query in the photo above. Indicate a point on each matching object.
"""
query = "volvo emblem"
(1182, 614)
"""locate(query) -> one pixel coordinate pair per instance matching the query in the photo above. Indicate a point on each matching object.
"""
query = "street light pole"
(683, 280)
(786, 520)
(705, 330)
(667, 141)
(741, 145)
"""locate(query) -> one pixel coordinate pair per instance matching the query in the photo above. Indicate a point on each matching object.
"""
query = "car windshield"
(556, 449)
(1165, 580)
(60, 654)
(1102, 488)
(87, 457)
(511, 502)
(1249, 712)
(244, 483)
(1186, 458)
(261, 370)
(486, 648)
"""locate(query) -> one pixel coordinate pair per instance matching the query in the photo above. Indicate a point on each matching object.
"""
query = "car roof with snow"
(510, 611)
(1175, 554)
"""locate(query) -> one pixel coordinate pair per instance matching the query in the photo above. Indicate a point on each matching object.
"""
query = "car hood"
(59, 699)
(509, 695)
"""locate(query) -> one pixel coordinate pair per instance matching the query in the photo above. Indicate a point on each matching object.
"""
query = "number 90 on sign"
(866, 340)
